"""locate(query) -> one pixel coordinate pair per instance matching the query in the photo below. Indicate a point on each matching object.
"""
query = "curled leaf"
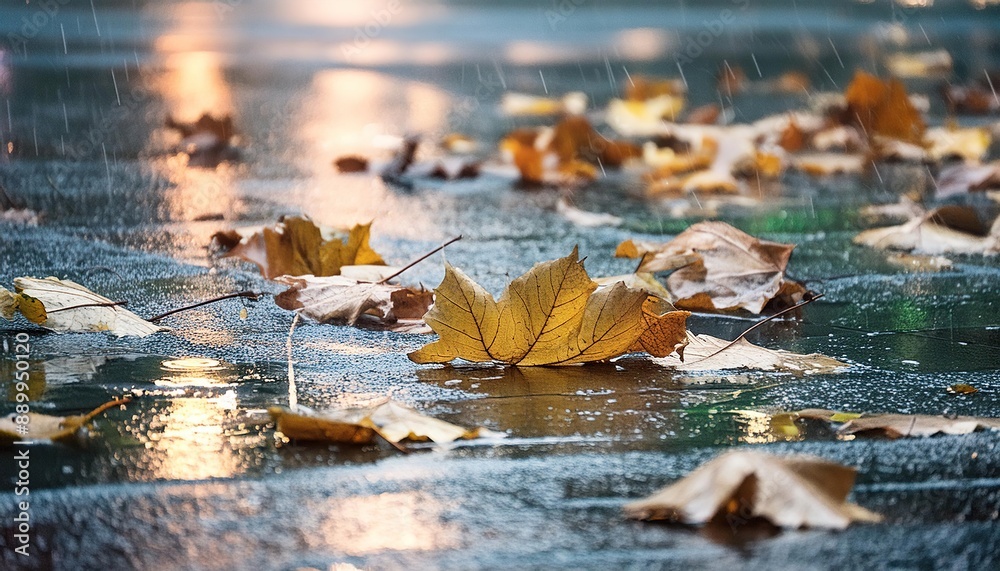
(43, 427)
(901, 425)
(790, 492)
(389, 420)
(944, 230)
(726, 269)
(338, 299)
(67, 307)
(707, 353)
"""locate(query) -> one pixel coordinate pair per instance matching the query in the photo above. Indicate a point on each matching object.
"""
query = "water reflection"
(627, 400)
(408, 521)
(355, 112)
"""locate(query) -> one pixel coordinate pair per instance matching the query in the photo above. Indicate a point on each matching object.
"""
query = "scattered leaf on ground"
(207, 141)
(707, 353)
(962, 389)
(42, 427)
(900, 425)
(639, 280)
(823, 164)
(730, 269)
(790, 492)
(945, 230)
(67, 307)
(296, 246)
(338, 299)
(351, 163)
(962, 178)
(522, 104)
(390, 420)
(551, 315)
(584, 218)
(882, 107)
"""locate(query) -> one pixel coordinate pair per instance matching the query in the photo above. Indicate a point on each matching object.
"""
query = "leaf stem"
(103, 304)
(293, 394)
(117, 402)
(421, 258)
(762, 322)
(247, 294)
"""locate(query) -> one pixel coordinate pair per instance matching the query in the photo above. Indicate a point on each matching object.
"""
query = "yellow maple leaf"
(551, 315)
(296, 246)
(882, 107)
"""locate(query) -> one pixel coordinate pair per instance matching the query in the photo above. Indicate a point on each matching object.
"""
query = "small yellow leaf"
(244, 314)
(32, 309)
(296, 246)
(962, 389)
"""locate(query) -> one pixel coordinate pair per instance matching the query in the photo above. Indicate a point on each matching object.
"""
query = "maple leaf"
(706, 353)
(551, 315)
(883, 108)
(64, 306)
(345, 300)
(790, 492)
(43, 427)
(719, 268)
(296, 246)
(390, 420)
(948, 229)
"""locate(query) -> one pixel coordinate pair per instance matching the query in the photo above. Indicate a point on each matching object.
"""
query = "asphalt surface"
(190, 475)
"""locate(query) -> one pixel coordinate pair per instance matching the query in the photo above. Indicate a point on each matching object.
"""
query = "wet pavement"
(190, 476)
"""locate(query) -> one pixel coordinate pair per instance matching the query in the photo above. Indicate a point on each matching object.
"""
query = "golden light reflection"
(193, 83)
(760, 428)
(349, 112)
(407, 521)
(194, 442)
(192, 364)
(341, 348)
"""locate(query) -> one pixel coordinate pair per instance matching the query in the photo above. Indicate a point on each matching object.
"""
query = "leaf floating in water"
(43, 427)
(552, 315)
(389, 420)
